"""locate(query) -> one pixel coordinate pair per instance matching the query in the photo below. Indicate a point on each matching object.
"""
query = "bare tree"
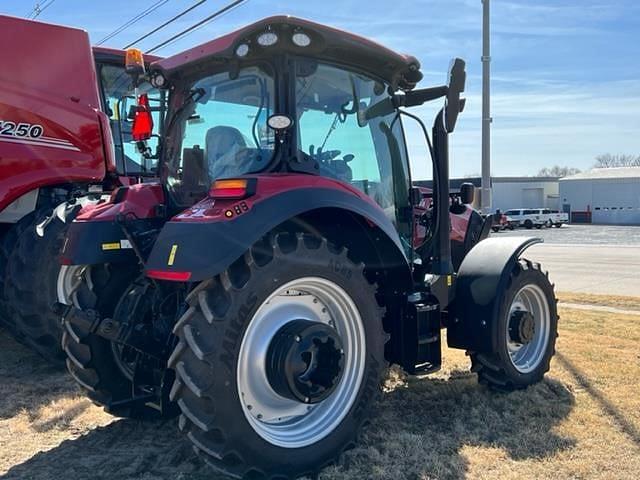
(558, 171)
(608, 160)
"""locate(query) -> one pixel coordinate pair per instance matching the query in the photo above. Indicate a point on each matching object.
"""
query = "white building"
(524, 192)
(514, 192)
(603, 195)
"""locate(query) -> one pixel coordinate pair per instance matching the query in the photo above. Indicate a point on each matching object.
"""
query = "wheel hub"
(305, 361)
(522, 327)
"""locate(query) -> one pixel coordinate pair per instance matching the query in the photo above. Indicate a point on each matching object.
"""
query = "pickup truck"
(554, 217)
(536, 217)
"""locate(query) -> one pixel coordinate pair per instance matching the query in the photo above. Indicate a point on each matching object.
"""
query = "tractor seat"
(222, 145)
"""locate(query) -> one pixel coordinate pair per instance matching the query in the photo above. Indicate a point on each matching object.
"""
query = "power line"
(37, 9)
(133, 20)
(201, 23)
(171, 20)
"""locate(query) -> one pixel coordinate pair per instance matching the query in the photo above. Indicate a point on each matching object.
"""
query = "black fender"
(206, 248)
(91, 243)
(479, 286)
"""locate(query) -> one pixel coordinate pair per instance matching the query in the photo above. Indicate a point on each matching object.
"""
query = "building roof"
(605, 173)
(477, 181)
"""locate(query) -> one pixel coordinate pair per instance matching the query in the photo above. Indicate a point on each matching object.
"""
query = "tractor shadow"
(29, 383)
(418, 430)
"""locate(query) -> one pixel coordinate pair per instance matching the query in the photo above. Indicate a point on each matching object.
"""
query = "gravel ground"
(582, 234)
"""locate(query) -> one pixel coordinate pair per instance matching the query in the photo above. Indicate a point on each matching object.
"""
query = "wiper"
(194, 96)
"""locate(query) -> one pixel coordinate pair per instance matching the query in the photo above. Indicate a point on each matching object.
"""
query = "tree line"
(606, 160)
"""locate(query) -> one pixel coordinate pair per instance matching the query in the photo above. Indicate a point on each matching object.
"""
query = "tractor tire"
(227, 378)
(524, 347)
(528, 224)
(92, 360)
(7, 247)
(32, 272)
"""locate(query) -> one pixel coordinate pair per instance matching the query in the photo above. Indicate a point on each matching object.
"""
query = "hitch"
(125, 333)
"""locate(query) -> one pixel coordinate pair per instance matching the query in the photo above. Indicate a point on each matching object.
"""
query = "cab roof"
(327, 43)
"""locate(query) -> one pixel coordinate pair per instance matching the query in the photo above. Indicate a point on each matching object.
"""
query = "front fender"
(205, 247)
(480, 284)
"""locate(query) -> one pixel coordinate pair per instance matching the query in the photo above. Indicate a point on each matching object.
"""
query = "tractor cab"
(279, 97)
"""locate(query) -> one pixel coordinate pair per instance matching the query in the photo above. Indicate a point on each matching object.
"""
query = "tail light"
(170, 276)
(233, 188)
(142, 127)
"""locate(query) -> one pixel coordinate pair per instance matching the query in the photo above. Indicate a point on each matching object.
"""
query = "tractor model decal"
(31, 134)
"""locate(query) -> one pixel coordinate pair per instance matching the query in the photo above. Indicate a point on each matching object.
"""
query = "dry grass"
(582, 422)
(616, 301)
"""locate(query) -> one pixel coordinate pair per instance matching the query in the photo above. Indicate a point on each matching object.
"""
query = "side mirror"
(467, 193)
(454, 104)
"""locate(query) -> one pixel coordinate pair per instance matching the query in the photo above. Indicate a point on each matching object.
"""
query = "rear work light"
(233, 188)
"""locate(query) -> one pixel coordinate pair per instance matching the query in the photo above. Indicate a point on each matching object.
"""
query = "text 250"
(12, 129)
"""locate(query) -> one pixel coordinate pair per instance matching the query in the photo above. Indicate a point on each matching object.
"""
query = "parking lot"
(597, 259)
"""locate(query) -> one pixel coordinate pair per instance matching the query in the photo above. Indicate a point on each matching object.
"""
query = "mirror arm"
(414, 98)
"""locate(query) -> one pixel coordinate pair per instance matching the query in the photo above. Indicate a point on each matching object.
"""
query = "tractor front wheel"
(526, 331)
(279, 359)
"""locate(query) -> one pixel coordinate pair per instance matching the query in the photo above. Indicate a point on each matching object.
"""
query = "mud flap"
(480, 284)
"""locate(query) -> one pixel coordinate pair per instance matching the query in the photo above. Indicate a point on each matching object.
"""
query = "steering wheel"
(323, 156)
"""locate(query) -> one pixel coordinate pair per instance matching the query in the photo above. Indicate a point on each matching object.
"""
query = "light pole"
(486, 109)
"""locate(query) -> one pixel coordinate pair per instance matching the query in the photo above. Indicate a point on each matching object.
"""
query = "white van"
(536, 217)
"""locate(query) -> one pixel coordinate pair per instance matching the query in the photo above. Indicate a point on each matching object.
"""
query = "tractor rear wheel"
(30, 285)
(105, 369)
(527, 326)
(279, 359)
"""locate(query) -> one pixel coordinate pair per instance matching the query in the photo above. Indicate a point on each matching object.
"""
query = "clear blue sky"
(566, 73)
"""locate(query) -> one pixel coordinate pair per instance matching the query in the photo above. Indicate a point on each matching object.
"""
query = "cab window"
(117, 98)
(221, 131)
(334, 131)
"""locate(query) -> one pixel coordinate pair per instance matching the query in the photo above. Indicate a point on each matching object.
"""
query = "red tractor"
(60, 141)
(284, 259)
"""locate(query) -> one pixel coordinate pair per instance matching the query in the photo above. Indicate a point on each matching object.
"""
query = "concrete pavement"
(598, 269)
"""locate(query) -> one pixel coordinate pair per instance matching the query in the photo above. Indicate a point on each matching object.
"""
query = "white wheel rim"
(527, 357)
(282, 421)
(70, 278)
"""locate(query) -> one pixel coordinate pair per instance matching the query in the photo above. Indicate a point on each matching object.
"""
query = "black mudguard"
(90, 243)
(479, 287)
(207, 248)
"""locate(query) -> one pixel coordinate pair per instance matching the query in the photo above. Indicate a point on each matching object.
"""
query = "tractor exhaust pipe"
(442, 249)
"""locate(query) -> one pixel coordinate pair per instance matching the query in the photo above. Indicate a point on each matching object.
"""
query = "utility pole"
(486, 109)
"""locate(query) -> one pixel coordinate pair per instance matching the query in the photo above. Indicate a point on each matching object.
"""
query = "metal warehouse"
(603, 195)
(514, 192)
